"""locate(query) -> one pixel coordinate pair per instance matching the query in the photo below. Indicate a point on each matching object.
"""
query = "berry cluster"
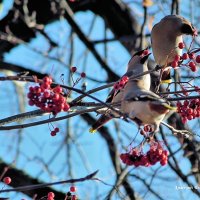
(50, 196)
(137, 158)
(190, 57)
(189, 109)
(121, 83)
(71, 196)
(47, 98)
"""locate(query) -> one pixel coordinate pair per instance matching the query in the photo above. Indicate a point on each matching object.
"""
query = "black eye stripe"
(138, 53)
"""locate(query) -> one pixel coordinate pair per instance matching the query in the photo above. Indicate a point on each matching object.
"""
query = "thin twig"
(43, 185)
(186, 133)
(49, 120)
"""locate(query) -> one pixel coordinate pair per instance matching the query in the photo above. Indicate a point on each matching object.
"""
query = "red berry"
(45, 85)
(83, 75)
(31, 89)
(57, 89)
(47, 94)
(47, 79)
(192, 56)
(124, 157)
(56, 97)
(73, 69)
(165, 152)
(72, 189)
(198, 59)
(192, 66)
(190, 111)
(176, 58)
(51, 194)
(31, 103)
(174, 64)
(185, 56)
(73, 197)
(163, 162)
(181, 45)
(7, 180)
(66, 107)
(190, 117)
(184, 120)
(56, 129)
(53, 133)
(186, 103)
(37, 89)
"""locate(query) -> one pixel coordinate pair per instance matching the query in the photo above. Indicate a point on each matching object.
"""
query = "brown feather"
(161, 109)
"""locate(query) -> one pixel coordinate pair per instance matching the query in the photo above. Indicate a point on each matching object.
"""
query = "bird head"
(144, 58)
(140, 57)
(179, 25)
(188, 29)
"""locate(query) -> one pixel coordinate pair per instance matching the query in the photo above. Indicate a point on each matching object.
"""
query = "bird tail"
(99, 123)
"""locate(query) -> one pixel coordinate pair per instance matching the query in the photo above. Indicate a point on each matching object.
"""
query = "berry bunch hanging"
(47, 98)
(137, 158)
(189, 109)
(189, 58)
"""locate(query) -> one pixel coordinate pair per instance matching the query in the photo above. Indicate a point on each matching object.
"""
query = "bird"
(165, 37)
(144, 106)
(136, 65)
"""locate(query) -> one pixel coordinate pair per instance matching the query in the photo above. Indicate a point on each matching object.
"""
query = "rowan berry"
(72, 189)
(192, 66)
(191, 55)
(185, 56)
(176, 58)
(198, 59)
(53, 133)
(51, 194)
(83, 75)
(7, 180)
(181, 45)
(174, 64)
(73, 69)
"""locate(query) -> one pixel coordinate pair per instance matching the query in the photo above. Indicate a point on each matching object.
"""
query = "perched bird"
(144, 106)
(136, 65)
(165, 37)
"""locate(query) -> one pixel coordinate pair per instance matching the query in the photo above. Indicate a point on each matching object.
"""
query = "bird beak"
(144, 59)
